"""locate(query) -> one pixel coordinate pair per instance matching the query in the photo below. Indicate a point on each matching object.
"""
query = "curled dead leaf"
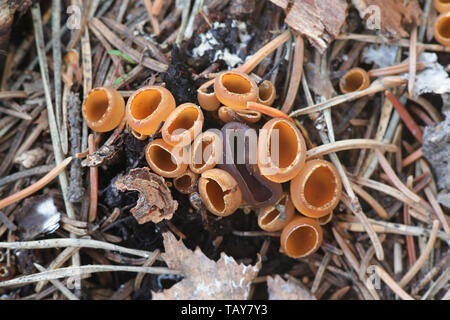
(155, 201)
(205, 279)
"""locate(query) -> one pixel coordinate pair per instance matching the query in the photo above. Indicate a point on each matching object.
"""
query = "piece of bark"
(155, 202)
(205, 279)
(7, 11)
(436, 149)
(396, 17)
(286, 290)
(318, 20)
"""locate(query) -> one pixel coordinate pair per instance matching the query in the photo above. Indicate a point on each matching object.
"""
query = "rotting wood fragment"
(155, 201)
(318, 20)
(393, 15)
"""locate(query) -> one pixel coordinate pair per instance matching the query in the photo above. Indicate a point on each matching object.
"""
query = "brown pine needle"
(38, 185)
(423, 257)
(152, 18)
(393, 177)
(270, 47)
(376, 206)
(268, 111)
(412, 157)
(296, 75)
(349, 144)
(392, 284)
(412, 61)
(93, 175)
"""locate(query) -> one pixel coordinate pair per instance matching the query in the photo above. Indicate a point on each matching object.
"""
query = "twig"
(36, 186)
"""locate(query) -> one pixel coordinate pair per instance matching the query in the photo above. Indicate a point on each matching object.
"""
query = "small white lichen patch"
(383, 56)
(209, 42)
(434, 79)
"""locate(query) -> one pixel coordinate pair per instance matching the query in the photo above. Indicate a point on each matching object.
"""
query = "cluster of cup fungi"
(232, 165)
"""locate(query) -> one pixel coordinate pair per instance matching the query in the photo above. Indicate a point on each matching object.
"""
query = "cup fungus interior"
(96, 105)
(288, 145)
(202, 153)
(265, 91)
(183, 182)
(301, 240)
(443, 27)
(235, 83)
(162, 158)
(185, 120)
(145, 103)
(320, 186)
(273, 214)
(215, 194)
(353, 81)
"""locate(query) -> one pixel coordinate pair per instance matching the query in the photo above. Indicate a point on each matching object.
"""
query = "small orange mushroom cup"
(148, 107)
(317, 189)
(207, 100)
(103, 109)
(281, 150)
(442, 29)
(301, 237)
(355, 79)
(276, 217)
(442, 5)
(266, 93)
(183, 125)
(235, 89)
(166, 160)
(206, 151)
(219, 192)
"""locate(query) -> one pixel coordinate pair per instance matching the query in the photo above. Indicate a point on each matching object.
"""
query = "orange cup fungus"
(317, 189)
(148, 107)
(220, 192)
(356, 79)
(183, 125)
(442, 29)
(166, 160)
(442, 5)
(281, 150)
(103, 109)
(301, 237)
(235, 89)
